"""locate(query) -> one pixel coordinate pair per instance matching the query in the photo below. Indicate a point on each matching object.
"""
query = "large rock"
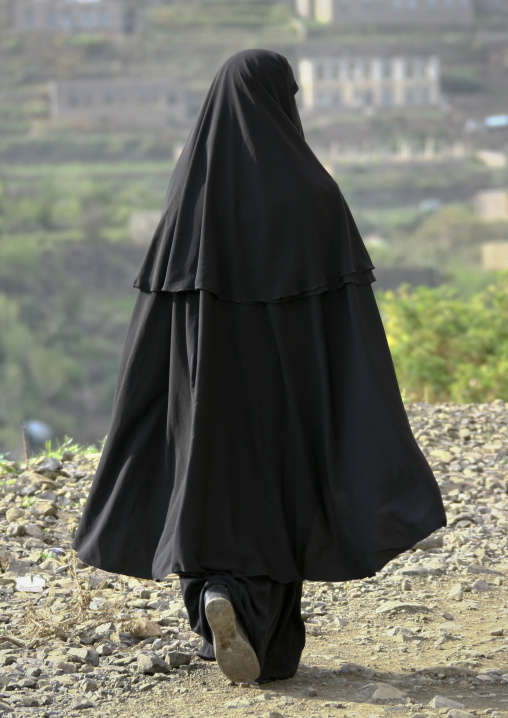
(386, 692)
(150, 663)
(443, 702)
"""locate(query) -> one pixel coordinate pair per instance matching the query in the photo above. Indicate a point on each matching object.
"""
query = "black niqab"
(250, 213)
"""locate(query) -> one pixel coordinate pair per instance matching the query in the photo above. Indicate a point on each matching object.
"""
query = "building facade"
(109, 16)
(390, 13)
(124, 103)
(361, 82)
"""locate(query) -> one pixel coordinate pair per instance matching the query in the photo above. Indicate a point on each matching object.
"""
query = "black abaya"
(268, 439)
(258, 430)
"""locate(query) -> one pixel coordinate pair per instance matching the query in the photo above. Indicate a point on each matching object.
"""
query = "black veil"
(250, 213)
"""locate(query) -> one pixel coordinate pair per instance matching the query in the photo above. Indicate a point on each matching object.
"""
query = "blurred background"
(404, 101)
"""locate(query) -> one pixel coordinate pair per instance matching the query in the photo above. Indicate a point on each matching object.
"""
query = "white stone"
(443, 702)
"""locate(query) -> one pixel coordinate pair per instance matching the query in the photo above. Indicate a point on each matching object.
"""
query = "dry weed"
(51, 615)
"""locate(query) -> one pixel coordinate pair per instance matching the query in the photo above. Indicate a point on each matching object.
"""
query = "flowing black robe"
(258, 425)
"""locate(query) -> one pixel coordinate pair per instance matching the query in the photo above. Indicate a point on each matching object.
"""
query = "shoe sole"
(235, 656)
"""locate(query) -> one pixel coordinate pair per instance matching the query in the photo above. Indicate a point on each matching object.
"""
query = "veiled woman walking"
(258, 437)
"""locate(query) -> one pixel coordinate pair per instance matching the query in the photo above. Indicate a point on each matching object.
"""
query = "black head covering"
(250, 213)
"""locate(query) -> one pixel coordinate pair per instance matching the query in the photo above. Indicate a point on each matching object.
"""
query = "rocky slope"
(427, 636)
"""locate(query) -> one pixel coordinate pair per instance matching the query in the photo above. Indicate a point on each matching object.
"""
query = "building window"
(321, 99)
(432, 3)
(88, 18)
(426, 96)
(104, 18)
(171, 98)
(336, 98)
(386, 69)
(29, 18)
(410, 96)
(66, 21)
(359, 70)
(52, 19)
(412, 4)
(387, 97)
(319, 72)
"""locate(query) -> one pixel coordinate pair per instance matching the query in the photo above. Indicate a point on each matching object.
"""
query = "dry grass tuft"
(49, 616)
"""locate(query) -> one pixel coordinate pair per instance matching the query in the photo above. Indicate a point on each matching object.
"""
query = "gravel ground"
(427, 636)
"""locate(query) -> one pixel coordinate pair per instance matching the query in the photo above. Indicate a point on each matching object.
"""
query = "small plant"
(57, 451)
(26, 503)
(5, 465)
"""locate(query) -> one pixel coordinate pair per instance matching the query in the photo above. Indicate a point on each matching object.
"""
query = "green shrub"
(445, 348)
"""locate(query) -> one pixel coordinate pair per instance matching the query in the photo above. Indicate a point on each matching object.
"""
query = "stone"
(143, 627)
(443, 702)
(402, 634)
(497, 631)
(83, 655)
(49, 466)
(398, 607)
(475, 568)
(442, 455)
(456, 593)
(310, 692)
(175, 659)
(81, 703)
(429, 543)
(45, 508)
(386, 692)
(457, 713)
(34, 531)
(89, 685)
(481, 586)
(357, 669)
(150, 663)
(65, 667)
(14, 514)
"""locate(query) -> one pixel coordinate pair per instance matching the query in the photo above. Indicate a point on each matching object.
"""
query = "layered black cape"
(258, 425)
(250, 213)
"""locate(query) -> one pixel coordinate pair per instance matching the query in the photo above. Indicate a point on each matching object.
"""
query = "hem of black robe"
(381, 558)
(363, 276)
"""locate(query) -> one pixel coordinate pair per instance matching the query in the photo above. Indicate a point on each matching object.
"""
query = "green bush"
(445, 348)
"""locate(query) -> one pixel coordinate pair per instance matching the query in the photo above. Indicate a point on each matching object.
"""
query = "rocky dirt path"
(426, 637)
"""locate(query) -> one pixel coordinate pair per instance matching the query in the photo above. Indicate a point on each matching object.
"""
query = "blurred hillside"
(80, 191)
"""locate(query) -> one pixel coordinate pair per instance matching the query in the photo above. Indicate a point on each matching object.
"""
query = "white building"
(390, 13)
(110, 16)
(120, 103)
(356, 82)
